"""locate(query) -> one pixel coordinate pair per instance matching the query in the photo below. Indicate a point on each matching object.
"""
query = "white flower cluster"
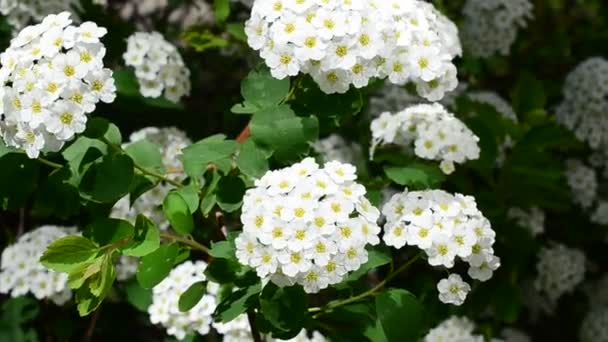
(560, 269)
(334, 147)
(594, 327)
(239, 330)
(159, 67)
(142, 13)
(340, 43)
(21, 271)
(493, 99)
(514, 335)
(20, 13)
(490, 26)
(445, 226)
(583, 183)
(436, 134)
(584, 109)
(165, 298)
(52, 76)
(454, 329)
(307, 225)
(533, 219)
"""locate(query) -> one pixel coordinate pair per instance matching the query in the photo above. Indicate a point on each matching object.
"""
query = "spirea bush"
(303, 170)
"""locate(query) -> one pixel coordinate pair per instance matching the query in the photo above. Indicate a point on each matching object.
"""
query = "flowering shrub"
(303, 170)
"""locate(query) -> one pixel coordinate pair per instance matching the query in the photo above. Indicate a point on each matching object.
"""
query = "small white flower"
(453, 290)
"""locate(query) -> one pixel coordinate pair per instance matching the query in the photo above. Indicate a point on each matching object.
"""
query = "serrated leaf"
(145, 240)
(67, 253)
(415, 175)
(192, 296)
(154, 267)
(178, 213)
(210, 150)
(107, 231)
(262, 90)
(237, 303)
(190, 194)
(146, 154)
(251, 160)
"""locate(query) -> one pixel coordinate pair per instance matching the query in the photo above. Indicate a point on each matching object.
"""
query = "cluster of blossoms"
(584, 109)
(594, 327)
(584, 185)
(52, 76)
(143, 13)
(533, 219)
(159, 67)
(340, 43)
(164, 309)
(20, 13)
(454, 329)
(445, 226)
(21, 271)
(239, 330)
(307, 225)
(560, 269)
(490, 26)
(334, 147)
(436, 134)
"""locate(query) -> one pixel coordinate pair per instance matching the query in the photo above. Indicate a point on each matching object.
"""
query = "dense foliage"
(304, 170)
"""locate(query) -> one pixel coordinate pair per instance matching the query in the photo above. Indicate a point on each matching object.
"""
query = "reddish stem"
(244, 135)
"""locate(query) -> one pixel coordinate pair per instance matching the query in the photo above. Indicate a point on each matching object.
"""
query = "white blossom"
(435, 134)
(347, 43)
(491, 26)
(52, 76)
(158, 65)
(21, 271)
(307, 225)
(560, 270)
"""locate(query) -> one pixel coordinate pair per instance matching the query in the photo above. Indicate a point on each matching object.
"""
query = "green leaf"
(237, 303)
(102, 281)
(528, 94)
(147, 155)
(138, 296)
(154, 267)
(251, 160)
(210, 150)
(230, 192)
(221, 9)
(261, 90)
(190, 194)
(98, 128)
(285, 308)
(237, 30)
(278, 129)
(396, 306)
(177, 212)
(415, 175)
(107, 231)
(145, 240)
(223, 271)
(66, 253)
(192, 296)
(109, 180)
(223, 250)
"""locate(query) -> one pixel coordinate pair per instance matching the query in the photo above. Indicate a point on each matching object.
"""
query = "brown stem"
(243, 135)
(255, 333)
(88, 337)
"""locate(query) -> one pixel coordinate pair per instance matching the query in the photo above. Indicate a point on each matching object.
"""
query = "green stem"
(186, 241)
(142, 169)
(370, 292)
(50, 163)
